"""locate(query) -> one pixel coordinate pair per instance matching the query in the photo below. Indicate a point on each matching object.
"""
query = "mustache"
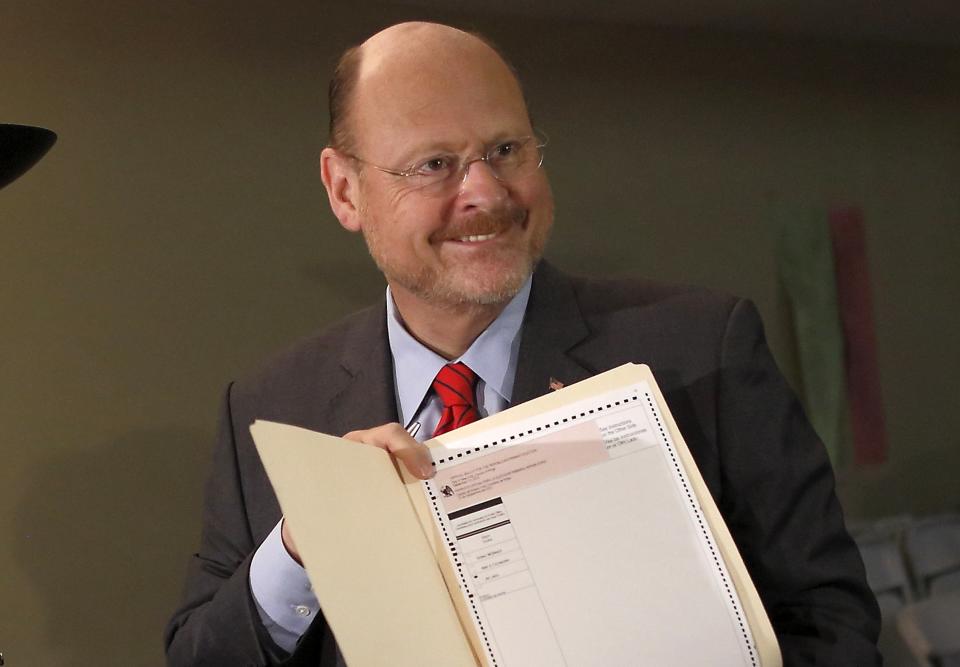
(492, 222)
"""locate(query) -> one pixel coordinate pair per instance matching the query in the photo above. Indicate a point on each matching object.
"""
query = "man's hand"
(395, 440)
(392, 438)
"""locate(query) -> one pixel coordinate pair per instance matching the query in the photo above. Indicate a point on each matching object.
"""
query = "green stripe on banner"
(804, 254)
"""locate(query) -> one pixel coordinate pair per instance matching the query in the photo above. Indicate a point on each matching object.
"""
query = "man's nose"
(480, 184)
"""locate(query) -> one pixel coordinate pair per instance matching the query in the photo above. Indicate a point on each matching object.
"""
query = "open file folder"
(570, 530)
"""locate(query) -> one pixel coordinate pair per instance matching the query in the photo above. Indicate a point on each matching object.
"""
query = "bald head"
(418, 36)
(409, 59)
(426, 102)
(432, 48)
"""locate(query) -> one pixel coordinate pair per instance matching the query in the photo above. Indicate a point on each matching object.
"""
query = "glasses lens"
(508, 160)
(511, 158)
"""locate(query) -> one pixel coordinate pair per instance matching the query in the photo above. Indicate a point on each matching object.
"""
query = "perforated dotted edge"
(455, 556)
(706, 533)
(532, 431)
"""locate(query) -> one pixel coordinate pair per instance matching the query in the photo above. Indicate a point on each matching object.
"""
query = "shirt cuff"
(282, 592)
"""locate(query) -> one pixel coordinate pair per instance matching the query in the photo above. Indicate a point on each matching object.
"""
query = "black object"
(21, 147)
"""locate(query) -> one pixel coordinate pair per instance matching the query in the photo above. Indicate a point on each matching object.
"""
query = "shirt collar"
(492, 356)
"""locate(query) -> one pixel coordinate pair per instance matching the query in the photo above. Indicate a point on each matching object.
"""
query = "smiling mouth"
(476, 238)
(486, 227)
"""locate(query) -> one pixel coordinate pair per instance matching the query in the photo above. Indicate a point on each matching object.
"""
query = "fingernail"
(427, 471)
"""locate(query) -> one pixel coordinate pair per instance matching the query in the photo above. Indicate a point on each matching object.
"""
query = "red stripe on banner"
(856, 317)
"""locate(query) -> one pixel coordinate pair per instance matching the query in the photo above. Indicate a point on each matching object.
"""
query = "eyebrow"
(424, 151)
(444, 147)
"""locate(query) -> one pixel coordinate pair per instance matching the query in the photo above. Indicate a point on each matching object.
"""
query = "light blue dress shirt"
(280, 587)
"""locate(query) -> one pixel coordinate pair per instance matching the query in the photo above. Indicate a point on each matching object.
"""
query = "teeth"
(476, 238)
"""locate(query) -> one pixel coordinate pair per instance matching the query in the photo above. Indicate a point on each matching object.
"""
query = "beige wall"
(178, 232)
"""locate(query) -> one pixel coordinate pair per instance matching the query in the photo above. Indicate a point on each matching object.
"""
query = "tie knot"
(454, 385)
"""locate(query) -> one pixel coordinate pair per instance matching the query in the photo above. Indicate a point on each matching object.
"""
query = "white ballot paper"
(578, 538)
(573, 530)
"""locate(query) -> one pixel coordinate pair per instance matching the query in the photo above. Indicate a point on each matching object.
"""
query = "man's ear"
(343, 187)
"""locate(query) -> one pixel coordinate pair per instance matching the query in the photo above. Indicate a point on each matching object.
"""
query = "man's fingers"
(394, 439)
(417, 460)
(288, 542)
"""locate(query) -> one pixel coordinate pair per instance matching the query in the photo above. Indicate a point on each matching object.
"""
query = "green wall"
(178, 233)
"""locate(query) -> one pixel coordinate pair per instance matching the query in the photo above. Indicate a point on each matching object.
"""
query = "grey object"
(889, 579)
(932, 630)
(933, 551)
(886, 570)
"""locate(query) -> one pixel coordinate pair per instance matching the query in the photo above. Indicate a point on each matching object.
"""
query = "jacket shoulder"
(680, 331)
(297, 368)
(603, 299)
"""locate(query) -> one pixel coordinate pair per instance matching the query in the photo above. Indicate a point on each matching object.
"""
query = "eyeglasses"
(438, 175)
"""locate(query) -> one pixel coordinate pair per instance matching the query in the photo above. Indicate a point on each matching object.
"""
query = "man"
(434, 160)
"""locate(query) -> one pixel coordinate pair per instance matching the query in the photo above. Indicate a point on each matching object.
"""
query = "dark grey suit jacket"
(756, 451)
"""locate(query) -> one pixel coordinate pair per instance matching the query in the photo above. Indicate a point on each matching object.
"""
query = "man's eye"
(506, 151)
(433, 166)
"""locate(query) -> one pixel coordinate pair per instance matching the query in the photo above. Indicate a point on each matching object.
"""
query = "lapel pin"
(555, 384)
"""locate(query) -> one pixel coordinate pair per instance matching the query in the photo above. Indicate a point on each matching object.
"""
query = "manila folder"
(368, 560)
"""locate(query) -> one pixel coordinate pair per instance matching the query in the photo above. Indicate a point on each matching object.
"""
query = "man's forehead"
(417, 73)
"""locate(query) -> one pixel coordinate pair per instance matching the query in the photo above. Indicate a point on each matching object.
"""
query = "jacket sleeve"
(217, 623)
(779, 501)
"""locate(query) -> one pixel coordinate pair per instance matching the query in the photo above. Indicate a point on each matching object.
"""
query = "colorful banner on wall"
(867, 421)
(805, 266)
(822, 264)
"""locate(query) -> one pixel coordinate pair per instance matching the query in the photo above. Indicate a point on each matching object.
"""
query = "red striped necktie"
(454, 385)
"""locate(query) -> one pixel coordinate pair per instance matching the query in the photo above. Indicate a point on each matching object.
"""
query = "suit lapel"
(552, 327)
(365, 397)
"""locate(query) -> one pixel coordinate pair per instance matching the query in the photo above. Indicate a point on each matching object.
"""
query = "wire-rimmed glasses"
(439, 174)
